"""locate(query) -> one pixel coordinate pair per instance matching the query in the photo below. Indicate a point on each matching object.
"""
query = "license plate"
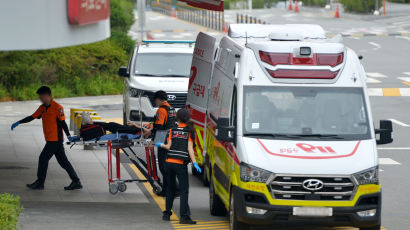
(312, 211)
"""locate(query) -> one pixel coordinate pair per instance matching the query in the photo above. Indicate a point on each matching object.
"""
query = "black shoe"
(74, 185)
(37, 185)
(166, 216)
(186, 220)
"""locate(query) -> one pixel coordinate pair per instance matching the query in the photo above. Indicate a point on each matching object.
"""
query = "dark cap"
(44, 90)
(162, 95)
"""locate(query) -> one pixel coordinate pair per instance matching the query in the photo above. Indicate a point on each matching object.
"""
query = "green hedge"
(362, 6)
(315, 2)
(72, 71)
(10, 210)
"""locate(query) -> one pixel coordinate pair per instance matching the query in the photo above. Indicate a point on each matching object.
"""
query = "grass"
(10, 210)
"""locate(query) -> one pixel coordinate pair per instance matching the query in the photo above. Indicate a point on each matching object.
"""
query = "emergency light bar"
(288, 59)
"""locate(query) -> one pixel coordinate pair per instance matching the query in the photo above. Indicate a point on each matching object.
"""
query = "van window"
(163, 64)
(306, 112)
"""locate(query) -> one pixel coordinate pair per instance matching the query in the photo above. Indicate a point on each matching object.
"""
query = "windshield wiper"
(273, 135)
(330, 136)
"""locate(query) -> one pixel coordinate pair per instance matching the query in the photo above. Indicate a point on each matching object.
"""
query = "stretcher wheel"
(122, 187)
(113, 188)
(157, 189)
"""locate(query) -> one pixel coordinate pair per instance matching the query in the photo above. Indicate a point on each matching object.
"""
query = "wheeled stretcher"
(124, 142)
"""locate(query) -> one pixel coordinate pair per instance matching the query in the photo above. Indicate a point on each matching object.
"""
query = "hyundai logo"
(172, 97)
(313, 184)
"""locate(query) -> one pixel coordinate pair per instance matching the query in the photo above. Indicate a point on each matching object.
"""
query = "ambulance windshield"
(305, 112)
(163, 64)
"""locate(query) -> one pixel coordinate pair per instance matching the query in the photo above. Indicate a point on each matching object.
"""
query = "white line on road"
(372, 80)
(407, 73)
(388, 161)
(399, 122)
(377, 46)
(375, 74)
(407, 79)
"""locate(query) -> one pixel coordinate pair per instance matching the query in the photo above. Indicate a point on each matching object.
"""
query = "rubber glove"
(198, 169)
(70, 138)
(14, 125)
(159, 144)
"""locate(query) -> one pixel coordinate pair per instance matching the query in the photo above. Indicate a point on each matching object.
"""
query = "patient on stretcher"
(94, 130)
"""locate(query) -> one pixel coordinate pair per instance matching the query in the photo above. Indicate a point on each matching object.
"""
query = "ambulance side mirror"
(224, 132)
(385, 132)
(123, 72)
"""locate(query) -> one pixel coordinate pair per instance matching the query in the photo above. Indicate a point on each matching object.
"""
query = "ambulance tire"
(216, 206)
(372, 228)
(234, 224)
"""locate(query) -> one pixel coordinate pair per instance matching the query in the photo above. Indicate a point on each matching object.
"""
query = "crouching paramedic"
(53, 119)
(180, 148)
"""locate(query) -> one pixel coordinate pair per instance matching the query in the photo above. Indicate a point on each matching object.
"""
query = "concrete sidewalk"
(54, 208)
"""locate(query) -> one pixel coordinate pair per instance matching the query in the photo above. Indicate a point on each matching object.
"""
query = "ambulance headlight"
(252, 173)
(368, 176)
(135, 92)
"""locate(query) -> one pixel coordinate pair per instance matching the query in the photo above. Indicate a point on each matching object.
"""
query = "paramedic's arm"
(61, 119)
(36, 114)
(191, 151)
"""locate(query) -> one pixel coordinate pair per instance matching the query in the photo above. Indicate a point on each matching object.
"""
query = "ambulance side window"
(232, 120)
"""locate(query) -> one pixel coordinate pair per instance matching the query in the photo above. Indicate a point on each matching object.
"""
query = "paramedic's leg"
(182, 175)
(45, 156)
(162, 156)
(65, 164)
(170, 191)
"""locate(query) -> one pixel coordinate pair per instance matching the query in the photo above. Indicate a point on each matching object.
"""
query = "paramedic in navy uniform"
(180, 148)
(53, 119)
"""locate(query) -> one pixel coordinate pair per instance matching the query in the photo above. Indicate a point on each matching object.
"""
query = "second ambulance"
(284, 128)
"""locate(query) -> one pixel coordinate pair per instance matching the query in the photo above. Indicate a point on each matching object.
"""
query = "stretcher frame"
(148, 169)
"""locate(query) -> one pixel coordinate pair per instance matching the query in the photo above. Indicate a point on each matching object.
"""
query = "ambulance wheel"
(234, 224)
(113, 188)
(372, 228)
(122, 187)
(216, 206)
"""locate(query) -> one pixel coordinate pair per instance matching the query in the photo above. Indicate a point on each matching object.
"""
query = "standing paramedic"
(53, 118)
(180, 148)
(164, 120)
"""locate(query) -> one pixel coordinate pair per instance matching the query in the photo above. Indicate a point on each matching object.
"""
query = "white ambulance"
(284, 128)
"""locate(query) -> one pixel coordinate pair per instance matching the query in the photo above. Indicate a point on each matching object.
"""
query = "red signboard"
(217, 5)
(82, 12)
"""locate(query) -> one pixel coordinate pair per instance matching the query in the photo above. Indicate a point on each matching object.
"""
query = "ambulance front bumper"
(276, 215)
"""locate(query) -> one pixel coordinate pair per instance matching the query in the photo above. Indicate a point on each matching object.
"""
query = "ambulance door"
(201, 73)
(221, 98)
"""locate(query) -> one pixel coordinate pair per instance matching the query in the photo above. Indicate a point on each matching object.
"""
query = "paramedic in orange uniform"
(164, 120)
(180, 146)
(53, 119)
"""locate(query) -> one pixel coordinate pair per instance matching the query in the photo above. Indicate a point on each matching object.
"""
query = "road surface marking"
(407, 79)
(376, 46)
(158, 200)
(375, 74)
(388, 161)
(375, 91)
(407, 73)
(391, 92)
(372, 80)
(399, 122)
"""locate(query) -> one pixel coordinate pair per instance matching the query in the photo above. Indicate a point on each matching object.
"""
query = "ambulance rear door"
(201, 74)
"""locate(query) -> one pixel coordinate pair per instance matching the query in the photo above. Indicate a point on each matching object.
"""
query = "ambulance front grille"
(290, 187)
(176, 100)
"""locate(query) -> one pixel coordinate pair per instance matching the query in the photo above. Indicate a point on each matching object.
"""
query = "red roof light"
(330, 59)
(275, 58)
(303, 74)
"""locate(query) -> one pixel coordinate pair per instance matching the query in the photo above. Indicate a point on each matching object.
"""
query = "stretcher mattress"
(111, 137)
